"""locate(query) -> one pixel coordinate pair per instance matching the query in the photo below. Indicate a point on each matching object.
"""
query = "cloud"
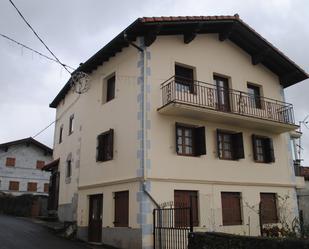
(76, 29)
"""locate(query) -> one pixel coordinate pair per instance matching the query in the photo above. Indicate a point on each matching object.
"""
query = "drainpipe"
(144, 126)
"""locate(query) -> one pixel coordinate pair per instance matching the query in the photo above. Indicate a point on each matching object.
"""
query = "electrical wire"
(33, 50)
(36, 34)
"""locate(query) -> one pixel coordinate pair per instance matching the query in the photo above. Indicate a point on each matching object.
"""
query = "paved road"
(18, 233)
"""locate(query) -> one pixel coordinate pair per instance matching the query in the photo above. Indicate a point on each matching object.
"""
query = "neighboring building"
(178, 108)
(303, 196)
(20, 167)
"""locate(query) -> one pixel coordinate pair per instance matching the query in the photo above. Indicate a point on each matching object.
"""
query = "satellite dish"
(80, 82)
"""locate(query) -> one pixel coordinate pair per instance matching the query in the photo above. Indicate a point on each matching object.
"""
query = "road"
(18, 233)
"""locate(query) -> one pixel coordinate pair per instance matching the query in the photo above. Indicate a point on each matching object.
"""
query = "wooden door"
(121, 209)
(95, 218)
(223, 98)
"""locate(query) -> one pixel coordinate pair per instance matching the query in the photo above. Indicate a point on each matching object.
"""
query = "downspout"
(144, 126)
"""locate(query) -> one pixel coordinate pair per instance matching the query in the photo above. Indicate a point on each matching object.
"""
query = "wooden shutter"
(100, 145)
(110, 146)
(231, 210)
(14, 186)
(32, 186)
(218, 142)
(46, 187)
(238, 146)
(176, 137)
(269, 150)
(199, 141)
(110, 88)
(121, 209)
(186, 199)
(268, 208)
(254, 148)
(40, 164)
(10, 161)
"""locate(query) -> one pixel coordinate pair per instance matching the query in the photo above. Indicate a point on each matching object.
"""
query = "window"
(71, 124)
(230, 145)
(268, 208)
(190, 140)
(46, 187)
(110, 88)
(69, 169)
(60, 134)
(231, 210)
(14, 186)
(223, 93)
(184, 78)
(32, 187)
(40, 164)
(186, 199)
(121, 209)
(10, 161)
(263, 150)
(105, 146)
(254, 96)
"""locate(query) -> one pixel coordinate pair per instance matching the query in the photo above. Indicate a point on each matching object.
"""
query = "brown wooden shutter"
(269, 208)
(110, 147)
(218, 142)
(231, 210)
(269, 150)
(176, 137)
(46, 187)
(10, 161)
(254, 148)
(14, 186)
(40, 164)
(100, 145)
(238, 146)
(121, 209)
(199, 141)
(32, 187)
(110, 88)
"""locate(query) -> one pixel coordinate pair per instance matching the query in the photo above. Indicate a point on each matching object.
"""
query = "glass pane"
(182, 88)
(188, 141)
(180, 149)
(188, 132)
(179, 140)
(188, 150)
(179, 132)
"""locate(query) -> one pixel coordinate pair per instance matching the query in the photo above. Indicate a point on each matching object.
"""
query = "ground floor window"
(231, 208)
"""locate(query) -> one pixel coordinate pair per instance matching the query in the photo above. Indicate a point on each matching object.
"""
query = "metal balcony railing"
(209, 96)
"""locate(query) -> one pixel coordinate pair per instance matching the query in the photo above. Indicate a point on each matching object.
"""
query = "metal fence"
(205, 95)
(172, 227)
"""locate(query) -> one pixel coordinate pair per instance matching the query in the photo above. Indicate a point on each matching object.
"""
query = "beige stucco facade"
(166, 171)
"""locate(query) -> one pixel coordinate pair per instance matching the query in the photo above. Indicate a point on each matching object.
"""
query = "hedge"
(17, 205)
(199, 240)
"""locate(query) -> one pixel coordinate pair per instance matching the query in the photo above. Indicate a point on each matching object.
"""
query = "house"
(179, 111)
(20, 167)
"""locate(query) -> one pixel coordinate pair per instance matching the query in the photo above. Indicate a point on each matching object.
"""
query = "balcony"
(196, 99)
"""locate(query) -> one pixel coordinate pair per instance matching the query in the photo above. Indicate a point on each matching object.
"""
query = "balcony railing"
(209, 96)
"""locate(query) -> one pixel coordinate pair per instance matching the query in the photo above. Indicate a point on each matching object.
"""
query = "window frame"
(272, 220)
(232, 222)
(40, 164)
(30, 185)
(10, 162)
(119, 215)
(110, 86)
(60, 134)
(11, 184)
(183, 128)
(71, 124)
(236, 145)
(256, 96)
(266, 147)
(221, 142)
(184, 81)
(68, 168)
(105, 146)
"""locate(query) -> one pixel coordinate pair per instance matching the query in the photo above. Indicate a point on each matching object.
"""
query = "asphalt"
(19, 233)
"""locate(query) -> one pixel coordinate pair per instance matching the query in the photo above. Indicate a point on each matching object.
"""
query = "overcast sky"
(76, 29)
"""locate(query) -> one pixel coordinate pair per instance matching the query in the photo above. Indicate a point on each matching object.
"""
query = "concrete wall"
(25, 169)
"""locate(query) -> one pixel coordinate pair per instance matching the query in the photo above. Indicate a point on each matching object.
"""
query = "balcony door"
(95, 218)
(222, 88)
(184, 79)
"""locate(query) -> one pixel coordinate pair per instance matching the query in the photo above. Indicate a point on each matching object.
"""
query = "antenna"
(304, 122)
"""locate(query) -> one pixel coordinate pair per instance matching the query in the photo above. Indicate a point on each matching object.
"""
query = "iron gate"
(171, 227)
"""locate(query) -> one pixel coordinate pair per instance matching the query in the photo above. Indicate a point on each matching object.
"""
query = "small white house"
(20, 167)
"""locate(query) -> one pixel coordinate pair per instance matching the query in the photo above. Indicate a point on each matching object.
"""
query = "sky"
(76, 29)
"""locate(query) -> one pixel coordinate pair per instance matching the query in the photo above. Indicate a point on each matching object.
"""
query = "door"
(95, 218)
(223, 99)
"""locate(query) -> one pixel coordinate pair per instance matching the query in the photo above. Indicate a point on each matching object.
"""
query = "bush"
(223, 241)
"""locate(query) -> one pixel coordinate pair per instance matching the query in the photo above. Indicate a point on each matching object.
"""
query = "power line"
(44, 129)
(35, 33)
(35, 51)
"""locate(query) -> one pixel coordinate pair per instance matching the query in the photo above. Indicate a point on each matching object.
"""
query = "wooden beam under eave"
(288, 78)
(226, 33)
(188, 37)
(258, 58)
(149, 39)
